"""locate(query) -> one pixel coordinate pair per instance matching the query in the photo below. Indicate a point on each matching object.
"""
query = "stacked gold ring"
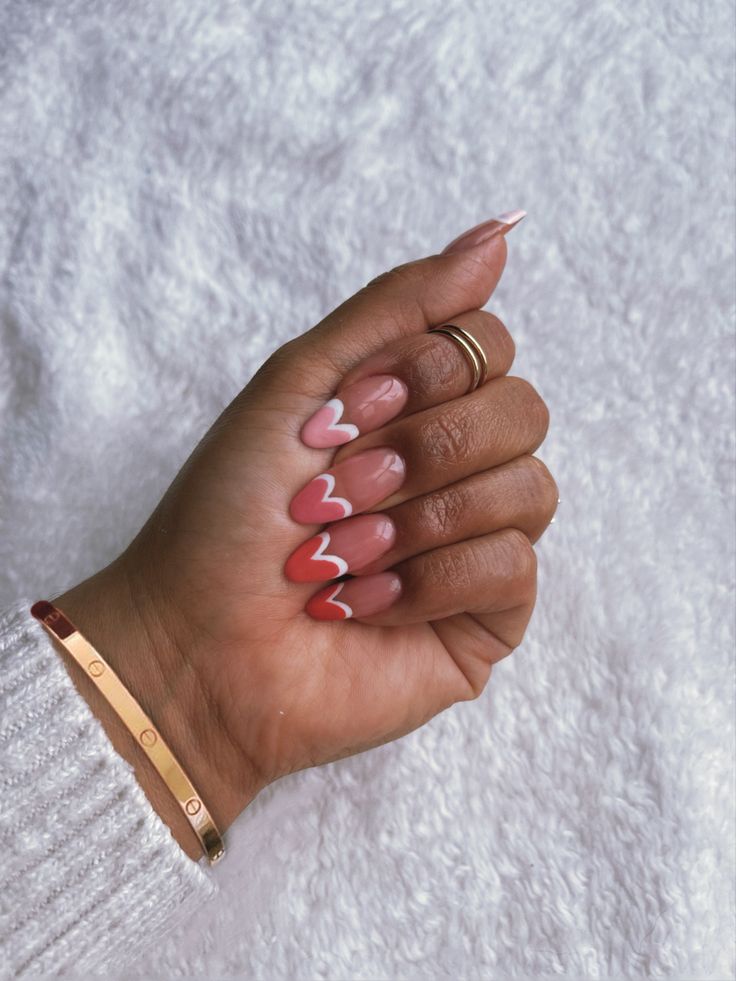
(474, 353)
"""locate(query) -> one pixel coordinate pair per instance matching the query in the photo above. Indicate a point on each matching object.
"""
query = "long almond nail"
(351, 486)
(360, 408)
(340, 548)
(487, 229)
(358, 597)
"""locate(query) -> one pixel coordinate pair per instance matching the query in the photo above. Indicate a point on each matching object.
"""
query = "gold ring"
(472, 350)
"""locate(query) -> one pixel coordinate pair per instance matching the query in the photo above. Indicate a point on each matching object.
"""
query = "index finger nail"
(360, 408)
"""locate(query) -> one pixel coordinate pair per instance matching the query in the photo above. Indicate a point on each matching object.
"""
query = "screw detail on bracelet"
(192, 806)
(137, 722)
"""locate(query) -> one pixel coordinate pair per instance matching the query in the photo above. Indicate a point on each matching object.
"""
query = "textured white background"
(184, 185)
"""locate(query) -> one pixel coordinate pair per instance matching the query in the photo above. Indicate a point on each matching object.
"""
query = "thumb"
(406, 300)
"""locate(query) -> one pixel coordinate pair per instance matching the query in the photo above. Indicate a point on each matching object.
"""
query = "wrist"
(127, 624)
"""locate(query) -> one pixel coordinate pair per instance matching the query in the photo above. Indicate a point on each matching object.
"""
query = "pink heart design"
(325, 429)
(314, 505)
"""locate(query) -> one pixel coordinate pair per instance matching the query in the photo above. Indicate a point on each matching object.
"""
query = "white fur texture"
(186, 184)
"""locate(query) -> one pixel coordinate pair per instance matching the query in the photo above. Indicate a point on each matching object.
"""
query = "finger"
(483, 576)
(521, 494)
(407, 376)
(404, 301)
(501, 420)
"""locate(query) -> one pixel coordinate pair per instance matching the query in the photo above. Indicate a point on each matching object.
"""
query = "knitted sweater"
(90, 875)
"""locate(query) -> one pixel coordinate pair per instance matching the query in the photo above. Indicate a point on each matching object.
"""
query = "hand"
(203, 616)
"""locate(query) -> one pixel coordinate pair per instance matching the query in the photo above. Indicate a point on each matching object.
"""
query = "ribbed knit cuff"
(89, 873)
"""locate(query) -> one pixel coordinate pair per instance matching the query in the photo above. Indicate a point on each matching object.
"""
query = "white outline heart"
(343, 606)
(321, 556)
(326, 499)
(336, 426)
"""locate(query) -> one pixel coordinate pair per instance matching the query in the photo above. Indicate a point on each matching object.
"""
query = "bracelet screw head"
(148, 737)
(192, 806)
(95, 668)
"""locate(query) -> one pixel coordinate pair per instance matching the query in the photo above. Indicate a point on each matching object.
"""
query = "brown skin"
(197, 617)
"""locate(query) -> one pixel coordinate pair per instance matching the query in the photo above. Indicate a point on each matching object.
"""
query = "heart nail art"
(359, 597)
(361, 481)
(315, 501)
(325, 429)
(368, 404)
(326, 606)
(312, 563)
(342, 547)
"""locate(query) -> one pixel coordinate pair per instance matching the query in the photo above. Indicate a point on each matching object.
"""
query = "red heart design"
(314, 503)
(321, 607)
(305, 565)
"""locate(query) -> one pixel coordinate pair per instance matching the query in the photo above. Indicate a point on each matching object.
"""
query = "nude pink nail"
(358, 597)
(351, 486)
(360, 408)
(340, 548)
(487, 229)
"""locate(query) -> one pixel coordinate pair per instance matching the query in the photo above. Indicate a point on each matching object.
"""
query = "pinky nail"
(360, 408)
(359, 597)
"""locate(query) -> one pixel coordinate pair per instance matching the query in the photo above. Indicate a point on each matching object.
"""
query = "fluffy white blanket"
(186, 184)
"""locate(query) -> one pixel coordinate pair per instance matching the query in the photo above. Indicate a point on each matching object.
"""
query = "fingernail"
(361, 407)
(341, 548)
(487, 229)
(353, 485)
(355, 598)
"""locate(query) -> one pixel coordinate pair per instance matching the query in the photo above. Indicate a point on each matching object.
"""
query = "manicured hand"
(348, 550)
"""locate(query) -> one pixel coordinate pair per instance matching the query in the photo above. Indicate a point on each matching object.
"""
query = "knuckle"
(546, 493)
(522, 559)
(467, 280)
(440, 513)
(293, 366)
(426, 367)
(405, 275)
(277, 364)
(533, 405)
(451, 566)
(381, 280)
(282, 357)
(395, 295)
(448, 439)
(502, 342)
(434, 367)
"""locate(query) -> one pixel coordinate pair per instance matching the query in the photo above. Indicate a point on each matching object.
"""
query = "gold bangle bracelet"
(135, 719)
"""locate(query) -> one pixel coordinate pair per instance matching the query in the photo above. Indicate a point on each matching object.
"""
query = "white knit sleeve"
(89, 873)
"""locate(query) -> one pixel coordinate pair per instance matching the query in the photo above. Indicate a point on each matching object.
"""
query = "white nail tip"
(327, 499)
(337, 407)
(321, 556)
(335, 602)
(511, 217)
